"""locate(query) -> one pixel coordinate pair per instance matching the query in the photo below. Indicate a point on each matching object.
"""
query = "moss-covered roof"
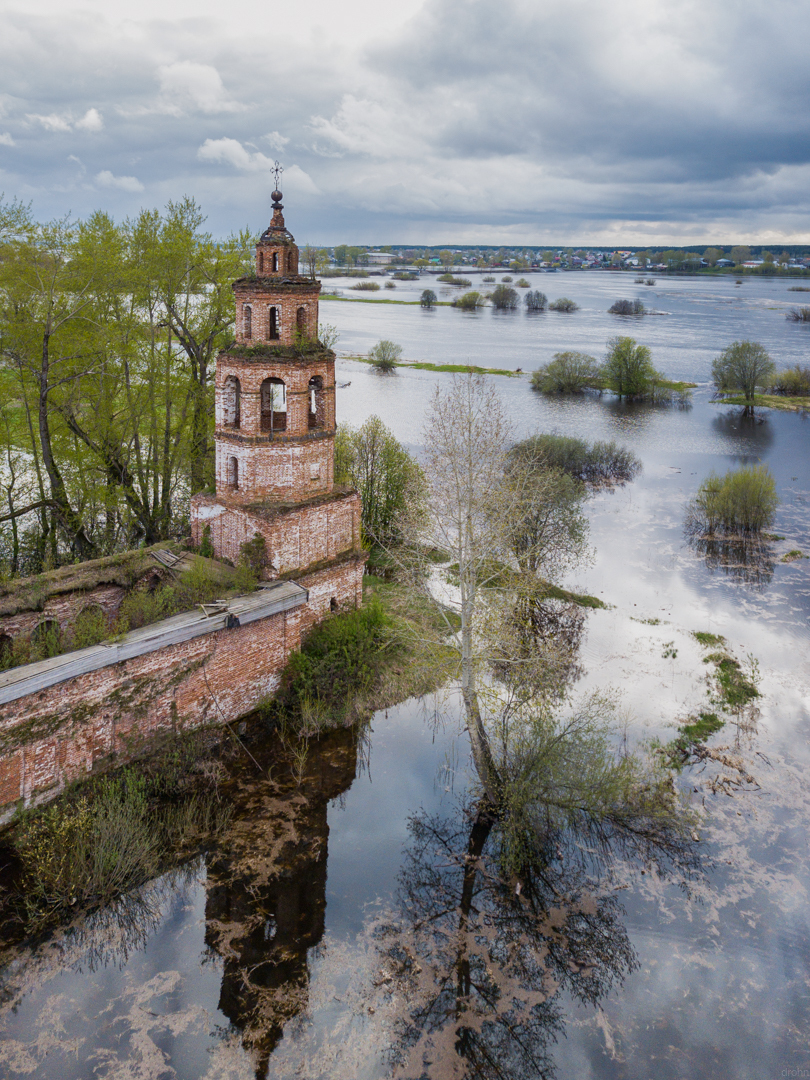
(124, 568)
(265, 350)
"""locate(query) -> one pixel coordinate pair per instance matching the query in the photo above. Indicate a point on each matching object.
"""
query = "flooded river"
(280, 953)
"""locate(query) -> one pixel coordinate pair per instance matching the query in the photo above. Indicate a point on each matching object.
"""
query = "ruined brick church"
(275, 434)
(87, 710)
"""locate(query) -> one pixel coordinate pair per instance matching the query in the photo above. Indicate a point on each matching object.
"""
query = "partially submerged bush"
(469, 301)
(390, 284)
(741, 368)
(522, 283)
(742, 501)
(599, 463)
(504, 298)
(535, 300)
(428, 298)
(385, 355)
(366, 286)
(89, 847)
(507, 278)
(626, 307)
(628, 369)
(488, 278)
(450, 279)
(800, 314)
(567, 373)
(563, 304)
(795, 382)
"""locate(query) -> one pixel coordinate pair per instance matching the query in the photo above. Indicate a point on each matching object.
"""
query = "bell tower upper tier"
(275, 387)
(276, 304)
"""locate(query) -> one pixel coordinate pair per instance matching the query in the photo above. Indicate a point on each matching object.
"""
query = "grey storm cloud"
(584, 121)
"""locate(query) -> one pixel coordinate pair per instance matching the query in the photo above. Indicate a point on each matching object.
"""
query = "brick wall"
(109, 716)
(64, 610)
(295, 300)
(296, 537)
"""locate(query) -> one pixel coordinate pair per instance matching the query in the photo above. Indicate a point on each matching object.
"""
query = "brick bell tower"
(275, 432)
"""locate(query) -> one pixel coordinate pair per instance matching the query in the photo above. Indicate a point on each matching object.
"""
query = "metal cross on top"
(277, 170)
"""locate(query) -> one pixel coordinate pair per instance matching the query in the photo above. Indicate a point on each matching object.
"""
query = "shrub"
(488, 278)
(91, 626)
(252, 563)
(199, 584)
(535, 300)
(206, 546)
(366, 286)
(141, 607)
(522, 283)
(794, 382)
(406, 275)
(567, 373)
(628, 370)
(504, 298)
(600, 463)
(801, 314)
(741, 368)
(469, 301)
(428, 298)
(449, 279)
(563, 304)
(384, 355)
(650, 281)
(626, 307)
(742, 501)
(338, 661)
(507, 278)
(390, 284)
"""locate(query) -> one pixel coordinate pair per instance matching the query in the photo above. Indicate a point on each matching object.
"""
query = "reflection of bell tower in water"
(275, 434)
(266, 891)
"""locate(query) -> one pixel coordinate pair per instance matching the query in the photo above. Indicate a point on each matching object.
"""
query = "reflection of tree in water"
(480, 955)
(267, 892)
(539, 641)
(733, 425)
(748, 560)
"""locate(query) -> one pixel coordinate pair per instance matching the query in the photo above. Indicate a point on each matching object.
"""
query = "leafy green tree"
(385, 355)
(740, 254)
(628, 369)
(741, 368)
(428, 298)
(712, 254)
(390, 481)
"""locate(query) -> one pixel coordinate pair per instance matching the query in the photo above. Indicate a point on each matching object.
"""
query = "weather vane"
(277, 170)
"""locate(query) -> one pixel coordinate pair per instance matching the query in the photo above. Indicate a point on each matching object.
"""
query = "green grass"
(709, 641)
(554, 592)
(770, 401)
(383, 300)
(424, 365)
(793, 556)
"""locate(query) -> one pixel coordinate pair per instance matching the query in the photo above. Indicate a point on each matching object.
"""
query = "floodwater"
(275, 954)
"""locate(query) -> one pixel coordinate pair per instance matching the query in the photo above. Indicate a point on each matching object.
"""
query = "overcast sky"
(626, 122)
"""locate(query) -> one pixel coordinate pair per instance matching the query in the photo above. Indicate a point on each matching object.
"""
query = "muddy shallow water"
(270, 956)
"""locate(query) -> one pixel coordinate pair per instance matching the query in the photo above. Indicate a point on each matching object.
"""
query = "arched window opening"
(233, 473)
(46, 637)
(247, 321)
(333, 604)
(290, 266)
(261, 262)
(317, 403)
(301, 321)
(275, 262)
(232, 402)
(6, 650)
(274, 405)
(272, 324)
